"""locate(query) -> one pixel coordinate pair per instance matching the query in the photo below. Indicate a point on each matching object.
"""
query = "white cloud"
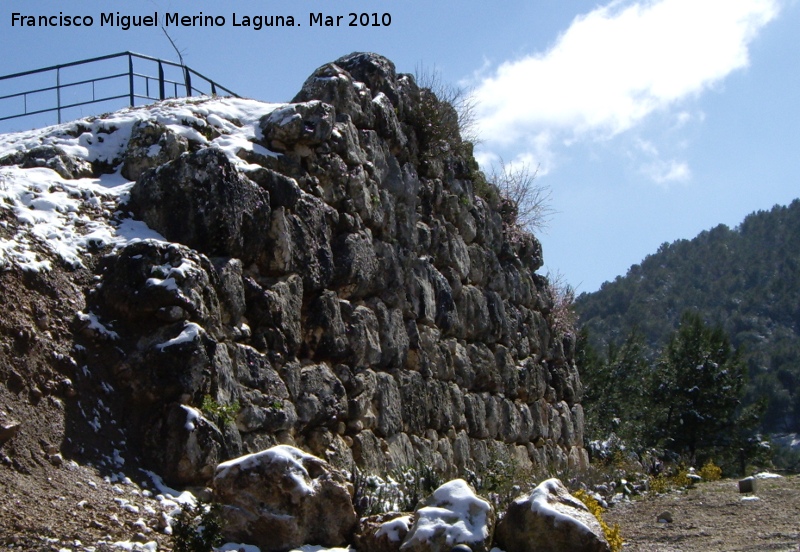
(615, 66)
(653, 165)
(537, 152)
(666, 172)
(682, 119)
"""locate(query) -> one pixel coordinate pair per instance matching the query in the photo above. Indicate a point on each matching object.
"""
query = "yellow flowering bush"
(613, 534)
(710, 472)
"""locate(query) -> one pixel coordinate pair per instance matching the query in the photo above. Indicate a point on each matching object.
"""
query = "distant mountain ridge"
(746, 279)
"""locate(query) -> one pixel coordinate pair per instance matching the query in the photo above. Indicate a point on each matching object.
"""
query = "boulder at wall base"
(452, 515)
(282, 498)
(382, 532)
(550, 520)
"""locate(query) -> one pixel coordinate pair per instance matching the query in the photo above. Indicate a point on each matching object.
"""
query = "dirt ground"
(63, 484)
(72, 508)
(715, 517)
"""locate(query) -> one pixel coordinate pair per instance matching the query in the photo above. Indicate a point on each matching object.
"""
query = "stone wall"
(346, 288)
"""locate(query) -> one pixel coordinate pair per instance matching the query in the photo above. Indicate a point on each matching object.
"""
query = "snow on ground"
(312, 548)
(105, 139)
(68, 218)
(767, 475)
(170, 494)
(92, 322)
(136, 546)
(65, 217)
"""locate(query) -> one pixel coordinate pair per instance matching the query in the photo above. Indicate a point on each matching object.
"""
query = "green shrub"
(225, 413)
(679, 479)
(197, 528)
(445, 116)
(485, 189)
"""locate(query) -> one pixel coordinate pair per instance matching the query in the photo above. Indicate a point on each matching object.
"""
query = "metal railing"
(137, 85)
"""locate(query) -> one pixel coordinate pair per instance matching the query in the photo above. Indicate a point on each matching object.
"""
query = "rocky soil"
(76, 508)
(715, 517)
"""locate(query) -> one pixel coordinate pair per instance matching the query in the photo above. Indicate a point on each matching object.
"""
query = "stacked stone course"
(353, 294)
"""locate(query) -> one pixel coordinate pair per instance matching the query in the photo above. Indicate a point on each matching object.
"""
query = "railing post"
(58, 93)
(188, 80)
(130, 79)
(160, 80)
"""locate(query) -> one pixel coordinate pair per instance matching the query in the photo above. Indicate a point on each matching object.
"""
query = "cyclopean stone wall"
(347, 290)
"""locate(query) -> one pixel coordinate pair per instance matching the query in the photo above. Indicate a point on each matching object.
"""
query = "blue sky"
(650, 121)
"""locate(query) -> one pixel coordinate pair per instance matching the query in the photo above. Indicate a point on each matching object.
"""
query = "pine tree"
(616, 389)
(699, 384)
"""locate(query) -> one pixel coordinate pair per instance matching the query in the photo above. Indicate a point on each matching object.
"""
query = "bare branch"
(177, 51)
(527, 204)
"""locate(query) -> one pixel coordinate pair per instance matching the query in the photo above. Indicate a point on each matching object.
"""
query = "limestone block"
(368, 452)
(202, 201)
(307, 123)
(151, 145)
(388, 404)
(414, 394)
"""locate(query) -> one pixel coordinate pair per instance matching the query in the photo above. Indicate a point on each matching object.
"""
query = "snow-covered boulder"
(283, 498)
(452, 515)
(67, 166)
(550, 520)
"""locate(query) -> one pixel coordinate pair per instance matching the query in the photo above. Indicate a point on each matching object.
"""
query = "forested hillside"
(746, 280)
